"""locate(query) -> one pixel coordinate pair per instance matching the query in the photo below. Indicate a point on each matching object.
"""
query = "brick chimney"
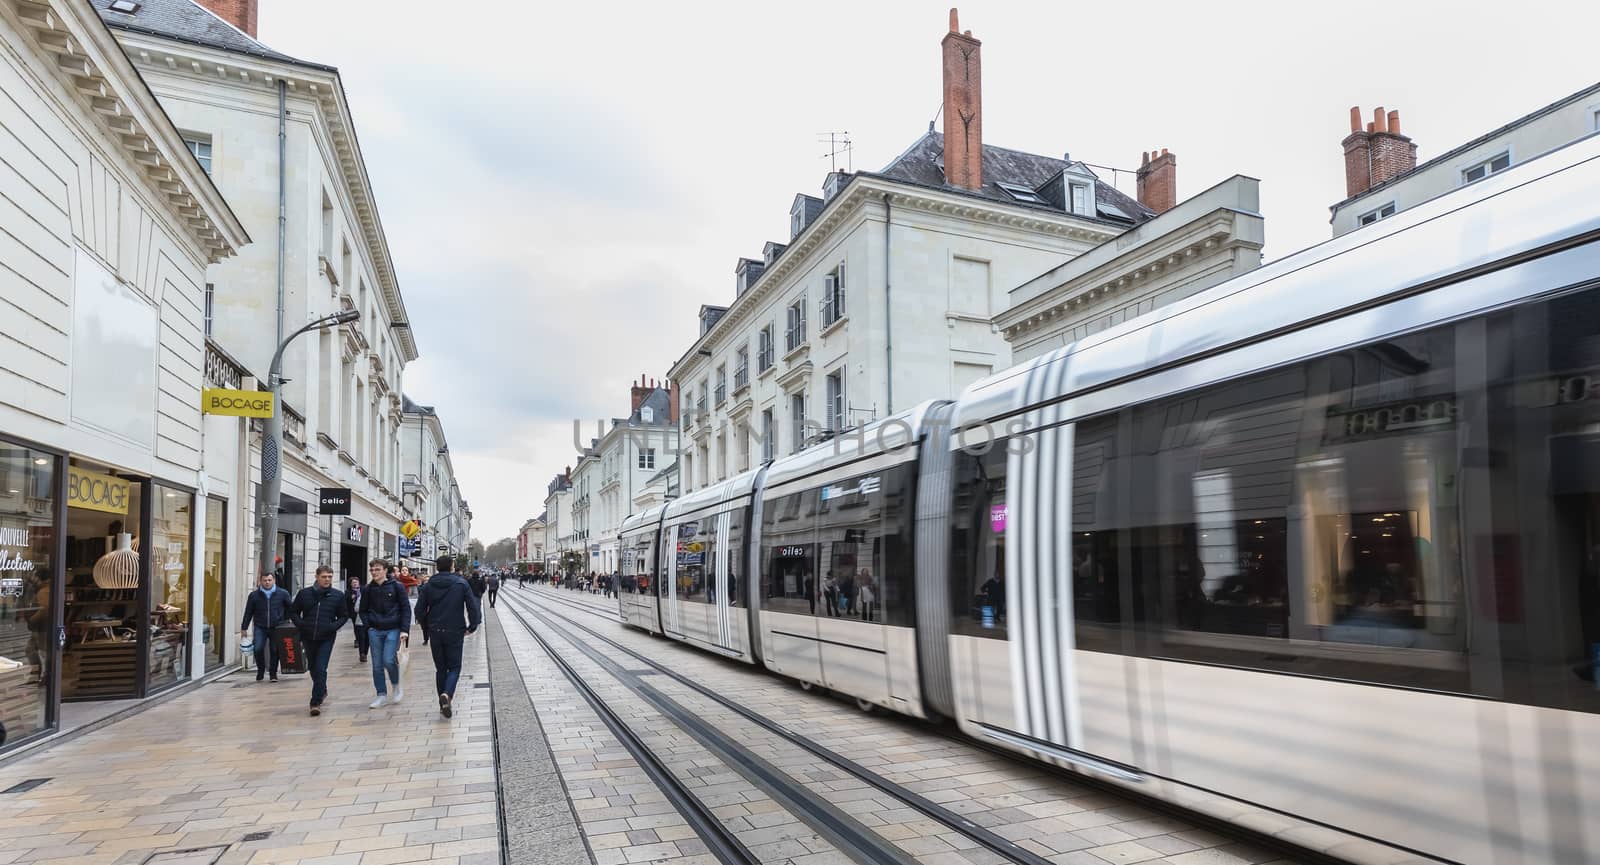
(1376, 153)
(641, 392)
(239, 13)
(1158, 181)
(672, 402)
(963, 108)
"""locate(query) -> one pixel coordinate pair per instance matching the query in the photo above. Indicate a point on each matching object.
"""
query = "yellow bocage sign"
(238, 403)
(410, 529)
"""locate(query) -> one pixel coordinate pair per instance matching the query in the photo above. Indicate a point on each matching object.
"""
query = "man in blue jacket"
(319, 612)
(448, 611)
(387, 612)
(266, 607)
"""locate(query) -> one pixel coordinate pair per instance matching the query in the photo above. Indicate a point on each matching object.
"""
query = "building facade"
(1382, 176)
(113, 523)
(432, 493)
(558, 531)
(631, 452)
(885, 291)
(530, 544)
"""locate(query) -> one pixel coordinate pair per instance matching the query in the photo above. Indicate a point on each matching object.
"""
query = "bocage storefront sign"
(334, 500)
(97, 492)
(238, 403)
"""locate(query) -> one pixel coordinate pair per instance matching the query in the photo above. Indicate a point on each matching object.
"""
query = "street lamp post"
(272, 444)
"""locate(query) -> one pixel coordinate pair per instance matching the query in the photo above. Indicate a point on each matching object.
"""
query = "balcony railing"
(741, 377)
(722, 393)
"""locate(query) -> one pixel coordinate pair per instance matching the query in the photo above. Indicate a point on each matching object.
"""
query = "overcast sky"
(563, 184)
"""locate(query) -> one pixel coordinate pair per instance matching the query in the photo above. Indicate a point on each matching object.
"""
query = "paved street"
(239, 774)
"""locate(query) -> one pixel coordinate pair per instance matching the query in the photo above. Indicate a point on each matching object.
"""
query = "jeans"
(385, 645)
(446, 647)
(318, 653)
(265, 648)
(495, 590)
(362, 640)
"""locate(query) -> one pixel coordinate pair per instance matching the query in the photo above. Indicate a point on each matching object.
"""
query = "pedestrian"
(387, 612)
(448, 610)
(407, 581)
(352, 610)
(319, 613)
(494, 588)
(479, 584)
(266, 607)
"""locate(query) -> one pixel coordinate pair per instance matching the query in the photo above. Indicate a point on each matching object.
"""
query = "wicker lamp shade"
(118, 569)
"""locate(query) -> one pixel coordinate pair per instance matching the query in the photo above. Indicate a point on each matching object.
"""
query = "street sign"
(237, 403)
(410, 529)
(409, 546)
(334, 500)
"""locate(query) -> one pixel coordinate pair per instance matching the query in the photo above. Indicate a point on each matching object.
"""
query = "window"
(647, 458)
(797, 411)
(705, 393)
(1078, 199)
(833, 296)
(211, 306)
(764, 349)
(127, 7)
(795, 336)
(836, 406)
(200, 146)
(769, 437)
(1493, 165)
(1596, 119)
(1022, 193)
(735, 567)
(788, 554)
(722, 384)
(1372, 216)
(1423, 511)
(327, 236)
(741, 368)
(696, 549)
(864, 548)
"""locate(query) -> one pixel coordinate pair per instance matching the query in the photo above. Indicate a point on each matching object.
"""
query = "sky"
(564, 184)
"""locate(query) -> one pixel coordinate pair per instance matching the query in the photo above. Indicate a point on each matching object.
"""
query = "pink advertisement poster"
(997, 518)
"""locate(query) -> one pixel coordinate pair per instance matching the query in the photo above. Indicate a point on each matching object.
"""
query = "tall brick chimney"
(672, 401)
(1376, 153)
(963, 108)
(641, 392)
(239, 13)
(1158, 181)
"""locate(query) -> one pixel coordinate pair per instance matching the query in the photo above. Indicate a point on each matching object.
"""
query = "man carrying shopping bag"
(387, 612)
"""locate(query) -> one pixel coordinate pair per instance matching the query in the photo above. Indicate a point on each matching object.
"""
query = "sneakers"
(379, 703)
(444, 705)
(261, 674)
(315, 710)
(274, 677)
(398, 693)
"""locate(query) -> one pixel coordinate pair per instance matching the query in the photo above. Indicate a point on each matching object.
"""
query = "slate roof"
(187, 21)
(922, 164)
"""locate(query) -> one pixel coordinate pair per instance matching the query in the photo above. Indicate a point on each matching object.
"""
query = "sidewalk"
(200, 773)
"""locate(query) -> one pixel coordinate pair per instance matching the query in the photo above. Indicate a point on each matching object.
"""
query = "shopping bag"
(291, 652)
(402, 660)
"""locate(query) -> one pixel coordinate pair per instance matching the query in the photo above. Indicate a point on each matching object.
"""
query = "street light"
(272, 443)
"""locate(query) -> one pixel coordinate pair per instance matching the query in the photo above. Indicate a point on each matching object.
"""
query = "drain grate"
(191, 856)
(25, 786)
(257, 836)
(481, 685)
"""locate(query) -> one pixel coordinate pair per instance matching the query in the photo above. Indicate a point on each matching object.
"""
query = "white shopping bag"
(403, 659)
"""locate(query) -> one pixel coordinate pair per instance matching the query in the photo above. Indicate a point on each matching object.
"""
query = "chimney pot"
(1145, 160)
(954, 27)
(1369, 128)
(1355, 118)
(1394, 122)
(1379, 120)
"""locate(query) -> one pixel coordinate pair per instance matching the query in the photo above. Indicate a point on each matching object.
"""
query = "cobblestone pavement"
(234, 758)
(626, 820)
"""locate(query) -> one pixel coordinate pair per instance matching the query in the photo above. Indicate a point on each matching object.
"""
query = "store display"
(118, 569)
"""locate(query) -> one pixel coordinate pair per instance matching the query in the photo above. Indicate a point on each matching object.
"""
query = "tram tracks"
(852, 838)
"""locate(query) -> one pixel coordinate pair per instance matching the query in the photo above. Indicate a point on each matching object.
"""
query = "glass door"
(27, 590)
(215, 562)
(104, 571)
(171, 534)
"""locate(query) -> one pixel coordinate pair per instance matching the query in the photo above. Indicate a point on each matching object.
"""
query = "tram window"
(692, 551)
(788, 554)
(864, 546)
(978, 522)
(736, 552)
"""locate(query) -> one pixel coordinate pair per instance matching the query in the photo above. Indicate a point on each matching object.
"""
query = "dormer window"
(797, 222)
(1022, 193)
(1078, 199)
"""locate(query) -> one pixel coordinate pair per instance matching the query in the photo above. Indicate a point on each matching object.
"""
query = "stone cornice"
(1135, 268)
(90, 65)
(864, 190)
(323, 86)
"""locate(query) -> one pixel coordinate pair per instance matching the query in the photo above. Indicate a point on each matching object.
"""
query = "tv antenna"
(838, 144)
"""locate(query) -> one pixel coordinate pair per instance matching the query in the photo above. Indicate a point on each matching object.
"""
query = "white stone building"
(107, 518)
(1382, 176)
(885, 291)
(432, 494)
(558, 530)
(530, 542)
(618, 466)
(230, 95)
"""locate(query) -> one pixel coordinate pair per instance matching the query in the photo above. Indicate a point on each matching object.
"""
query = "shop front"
(29, 554)
(353, 551)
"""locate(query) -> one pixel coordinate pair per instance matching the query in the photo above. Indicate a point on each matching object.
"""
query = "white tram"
(1316, 551)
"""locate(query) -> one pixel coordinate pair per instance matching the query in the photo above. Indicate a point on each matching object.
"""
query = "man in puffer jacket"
(319, 613)
(448, 611)
(387, 612)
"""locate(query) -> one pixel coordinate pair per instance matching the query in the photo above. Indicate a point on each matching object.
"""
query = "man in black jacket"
(319, 612)
(387, 612)
(447, 609)
(266, 607)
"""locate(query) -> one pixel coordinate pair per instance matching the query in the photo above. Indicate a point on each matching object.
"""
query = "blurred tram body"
(1316, 551)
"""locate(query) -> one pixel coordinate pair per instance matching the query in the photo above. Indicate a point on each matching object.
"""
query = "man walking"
(448, 610)
(319, 613)
(494, 587)
(387, 612)
(266, 607)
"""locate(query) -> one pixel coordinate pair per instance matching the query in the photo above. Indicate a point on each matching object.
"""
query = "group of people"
(380, 610)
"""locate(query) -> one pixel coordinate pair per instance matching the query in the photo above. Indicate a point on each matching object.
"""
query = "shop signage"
(409, 546)
(410, 529)
(12, 560)
(97, 492)
(997, 519)
(1405, 416)
(355, 533)
(334, 500)
(863, 486)
(237, 403)
(792, 552)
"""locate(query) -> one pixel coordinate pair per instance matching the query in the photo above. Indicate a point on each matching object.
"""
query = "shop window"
(171, 534)
(216, 567)
(27, 590)
(105, 572)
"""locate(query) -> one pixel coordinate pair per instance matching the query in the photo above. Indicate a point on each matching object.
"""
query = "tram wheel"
(866, 706)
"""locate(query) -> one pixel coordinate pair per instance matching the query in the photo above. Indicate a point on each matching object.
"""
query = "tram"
(1316, 551)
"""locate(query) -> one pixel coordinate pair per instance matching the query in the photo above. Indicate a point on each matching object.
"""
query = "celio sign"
(238, 403)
